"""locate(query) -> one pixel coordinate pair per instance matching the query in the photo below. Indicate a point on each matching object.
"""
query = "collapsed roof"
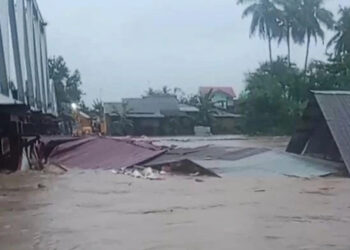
(324, 129)
(99, 153)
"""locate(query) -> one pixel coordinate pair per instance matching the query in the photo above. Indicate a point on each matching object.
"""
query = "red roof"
(103, 153)
(227, 90)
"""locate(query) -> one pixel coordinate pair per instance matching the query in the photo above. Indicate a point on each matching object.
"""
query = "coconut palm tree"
(310, 18)
(264, 19)
(206, 109)
(165, 90)
(150, 92)
(123, 124)
(341, 40)
(288, 24)
(97, 108)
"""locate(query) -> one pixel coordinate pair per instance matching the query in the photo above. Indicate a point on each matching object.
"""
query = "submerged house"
(324, 129)
(226, 121)
(151, 115)
(162, 115)
(223, 97)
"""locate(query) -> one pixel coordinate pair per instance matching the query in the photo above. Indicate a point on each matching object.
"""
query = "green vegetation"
(203, 103)
(264, 19)
(277, 92)
(67, 85)
(97, 109)
(273, 98)
(122, 125)
(205, 106)
(310, 17)
(286, 19)
(341, 40)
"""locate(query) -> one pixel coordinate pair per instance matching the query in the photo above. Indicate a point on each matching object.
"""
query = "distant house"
(151, 115)
(223, 97)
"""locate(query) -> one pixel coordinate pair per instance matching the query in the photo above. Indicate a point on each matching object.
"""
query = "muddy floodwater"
(99, 210)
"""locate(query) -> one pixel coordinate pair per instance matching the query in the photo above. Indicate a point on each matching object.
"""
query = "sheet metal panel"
(335, 107)
(23, 55)
(311, 117)
(38, 84)
(31, 50)
(44, 68)
(16, 51)
(27, 54)
(4, 87)
(102, 153)
(5, 32)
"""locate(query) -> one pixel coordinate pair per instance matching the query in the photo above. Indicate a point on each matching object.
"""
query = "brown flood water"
(99, 210)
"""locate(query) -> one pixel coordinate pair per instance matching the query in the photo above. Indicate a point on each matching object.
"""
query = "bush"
(273, 99)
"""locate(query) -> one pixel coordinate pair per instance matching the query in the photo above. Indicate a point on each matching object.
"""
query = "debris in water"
(260, 191)
(183, 167)
(151, 174)
(54, 169)
(136, 174)
(140, 173)
(40, 186)
(198, 180)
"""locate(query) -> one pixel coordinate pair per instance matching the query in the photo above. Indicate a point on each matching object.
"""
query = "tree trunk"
(307, 50)
(270, 46)
(288, 46)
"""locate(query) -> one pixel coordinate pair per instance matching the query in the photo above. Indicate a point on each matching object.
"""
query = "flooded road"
(99, 210)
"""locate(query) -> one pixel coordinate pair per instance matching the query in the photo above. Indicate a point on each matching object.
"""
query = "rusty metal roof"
(335, 106)
(227, 90)
(101, 153)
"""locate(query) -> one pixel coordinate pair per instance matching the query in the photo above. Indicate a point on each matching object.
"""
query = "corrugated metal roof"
(152, 105)
(187, 108)
(147, 107)
(102, 153)
(335, 107)
(218, 113)
(331, 92)
(112, 107)
(145, 116)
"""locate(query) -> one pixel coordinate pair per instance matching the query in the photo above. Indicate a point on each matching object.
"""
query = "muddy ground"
(100, 210)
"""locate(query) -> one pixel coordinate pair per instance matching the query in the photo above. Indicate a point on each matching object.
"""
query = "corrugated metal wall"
(23, 56)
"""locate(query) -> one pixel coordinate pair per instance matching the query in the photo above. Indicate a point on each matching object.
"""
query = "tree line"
(277, 92)
(297, 21)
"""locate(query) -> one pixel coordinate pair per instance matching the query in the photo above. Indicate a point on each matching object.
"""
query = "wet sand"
(99, 210)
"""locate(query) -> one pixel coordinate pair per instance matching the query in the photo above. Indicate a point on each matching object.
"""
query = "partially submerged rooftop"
(324, 129)
(226, 90)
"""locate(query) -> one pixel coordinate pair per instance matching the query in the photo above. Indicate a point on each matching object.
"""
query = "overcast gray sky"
(122, 47)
